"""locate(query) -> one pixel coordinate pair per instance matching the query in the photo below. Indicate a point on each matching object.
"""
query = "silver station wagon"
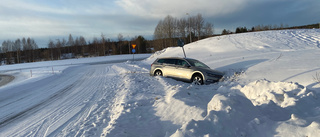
(185, 69)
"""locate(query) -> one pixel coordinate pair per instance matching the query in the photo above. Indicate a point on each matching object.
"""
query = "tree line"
(256, 28)
(26, 50)
(188, 29)
(18, 51)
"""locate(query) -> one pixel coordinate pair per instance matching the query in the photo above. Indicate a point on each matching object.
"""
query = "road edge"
(5, 79)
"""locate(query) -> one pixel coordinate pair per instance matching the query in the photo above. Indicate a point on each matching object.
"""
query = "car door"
(183, 70)
(169, 68)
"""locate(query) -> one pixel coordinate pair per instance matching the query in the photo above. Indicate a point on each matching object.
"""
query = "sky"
(43, 20)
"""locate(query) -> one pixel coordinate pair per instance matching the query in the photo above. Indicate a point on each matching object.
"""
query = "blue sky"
(52, 19)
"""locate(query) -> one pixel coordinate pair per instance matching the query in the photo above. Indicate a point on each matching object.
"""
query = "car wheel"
(197, 80)
(158, 73)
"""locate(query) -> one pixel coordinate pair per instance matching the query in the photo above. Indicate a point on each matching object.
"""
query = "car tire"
(158, 73)
(197, 79)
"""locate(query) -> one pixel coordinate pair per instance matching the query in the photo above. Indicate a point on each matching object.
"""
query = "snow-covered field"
(269, 90)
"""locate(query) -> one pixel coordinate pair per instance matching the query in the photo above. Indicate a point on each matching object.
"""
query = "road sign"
(133, 50)
(180, 43)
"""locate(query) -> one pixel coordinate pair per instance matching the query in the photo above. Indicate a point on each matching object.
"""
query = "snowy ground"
(269, 90)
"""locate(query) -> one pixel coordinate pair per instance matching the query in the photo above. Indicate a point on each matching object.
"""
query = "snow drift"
(269, 88)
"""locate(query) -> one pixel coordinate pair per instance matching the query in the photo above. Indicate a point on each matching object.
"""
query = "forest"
(26, 50)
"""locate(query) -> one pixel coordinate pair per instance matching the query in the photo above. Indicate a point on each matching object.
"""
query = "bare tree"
(58, 47)
(51, 46)
(6, 48)
(95, 49)
(70, 41)
(83, 43)
(28, 50)
(63, 43)
(182, 27)
(193, 26)
(76, 46)
(166, 31)
(120, 41)
(109, 44)
(24, 43)
(103, 44)
(208, 29)
(17, 48)
(169, 29)
(199, 22)
(34, 45)
(33, 48)
(114, 48)
(159, 36)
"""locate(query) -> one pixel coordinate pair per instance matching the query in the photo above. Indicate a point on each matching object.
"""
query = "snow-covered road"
(76, 102)
(65, 99)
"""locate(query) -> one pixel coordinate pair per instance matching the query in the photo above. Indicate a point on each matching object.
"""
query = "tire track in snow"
(97, 115)
(35, 121)
(75, 124)
(306, 37)
(134, 105)
(33, 108)
(65, 112)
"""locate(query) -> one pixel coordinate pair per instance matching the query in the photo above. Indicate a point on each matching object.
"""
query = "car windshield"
(197, 63)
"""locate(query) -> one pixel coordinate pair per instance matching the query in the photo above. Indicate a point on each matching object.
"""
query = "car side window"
(170, 61)
(181, 62)
(160, 61)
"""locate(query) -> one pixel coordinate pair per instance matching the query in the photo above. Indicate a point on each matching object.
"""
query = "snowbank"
(261, 108)
(269, 88)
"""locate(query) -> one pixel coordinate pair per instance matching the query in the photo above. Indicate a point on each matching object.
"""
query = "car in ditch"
(185, 69)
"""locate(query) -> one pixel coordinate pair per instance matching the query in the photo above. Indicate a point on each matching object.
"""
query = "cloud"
(272, 12)
(27, 7)
(36, 18)
(60, 17)
(179, 8)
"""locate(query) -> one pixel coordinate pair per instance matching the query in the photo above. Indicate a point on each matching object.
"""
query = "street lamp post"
(189, 27)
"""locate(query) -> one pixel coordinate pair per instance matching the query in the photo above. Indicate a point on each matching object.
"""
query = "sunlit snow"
(269, 89)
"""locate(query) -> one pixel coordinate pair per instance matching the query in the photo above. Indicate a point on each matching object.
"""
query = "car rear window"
(170, 61)
(161, 61)
(167, 61)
